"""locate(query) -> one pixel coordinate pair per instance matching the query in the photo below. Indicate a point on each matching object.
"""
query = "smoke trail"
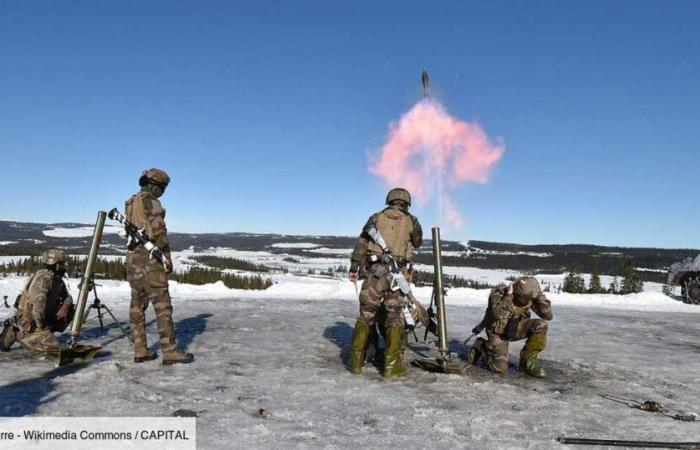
(431, 153)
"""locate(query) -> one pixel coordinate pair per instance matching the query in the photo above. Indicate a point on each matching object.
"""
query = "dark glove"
(62, 312)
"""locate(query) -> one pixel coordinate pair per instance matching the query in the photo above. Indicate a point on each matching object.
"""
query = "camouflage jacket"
(41, 299)
(501, 309)
(144, 210)
(364, 244)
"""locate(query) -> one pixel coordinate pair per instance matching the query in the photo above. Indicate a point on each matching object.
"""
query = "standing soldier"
(507, 319)
(147, 276)
(402, 233)
(44, 307)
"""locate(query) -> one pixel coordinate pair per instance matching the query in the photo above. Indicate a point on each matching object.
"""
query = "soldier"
(402, 233)
(44, 307)
(147, 276)
(507, 319)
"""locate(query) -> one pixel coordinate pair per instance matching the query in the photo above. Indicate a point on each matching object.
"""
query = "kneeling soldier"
(507, 319)
(44, 307)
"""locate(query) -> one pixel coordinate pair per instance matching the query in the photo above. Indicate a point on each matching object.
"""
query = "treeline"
(451, 281)
(104, 268)
(198, 276)
(574, 282)
(116, 270)
(557, 263)
(220, 262)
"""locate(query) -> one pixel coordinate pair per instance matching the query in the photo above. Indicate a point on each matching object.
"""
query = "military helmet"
(527, 287)
(398, 194)
(154, 176)
(53, 256)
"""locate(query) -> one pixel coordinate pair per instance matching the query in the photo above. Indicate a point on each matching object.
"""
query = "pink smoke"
(430, 152)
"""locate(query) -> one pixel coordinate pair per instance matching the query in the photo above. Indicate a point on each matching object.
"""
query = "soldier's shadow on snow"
(340, 334)
(188, 329)
(24, 397)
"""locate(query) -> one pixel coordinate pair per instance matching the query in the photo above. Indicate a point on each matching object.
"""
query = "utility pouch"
(381, 272)
(511, 328)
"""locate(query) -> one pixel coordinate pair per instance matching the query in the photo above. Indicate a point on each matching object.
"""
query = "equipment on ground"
(621, 443)
(100, 309)
(652, 406)
(140, 238)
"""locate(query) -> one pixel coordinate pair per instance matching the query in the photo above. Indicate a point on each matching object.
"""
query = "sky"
(268, 115)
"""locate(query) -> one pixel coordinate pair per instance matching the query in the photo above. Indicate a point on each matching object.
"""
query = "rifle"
(140, 238)
(398, 280)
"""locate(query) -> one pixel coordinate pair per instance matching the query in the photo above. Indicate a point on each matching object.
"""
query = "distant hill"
(21, 238)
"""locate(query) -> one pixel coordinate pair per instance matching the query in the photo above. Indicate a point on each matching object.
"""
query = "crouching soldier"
(507, 319)
(44, 307)
(402, 233)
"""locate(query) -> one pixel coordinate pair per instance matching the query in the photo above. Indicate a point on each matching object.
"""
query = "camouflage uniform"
(507, 319)
(147, 276)
(39, 303)
(402, 227)
(402, 233)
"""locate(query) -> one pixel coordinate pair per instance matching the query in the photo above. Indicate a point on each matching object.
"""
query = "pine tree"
(595, 287)
(614, 287)
(574, 282)
(631, 284)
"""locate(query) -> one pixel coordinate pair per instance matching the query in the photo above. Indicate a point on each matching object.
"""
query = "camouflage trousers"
(149, 285)
(496, 348)
(374, 292)
(43, 340)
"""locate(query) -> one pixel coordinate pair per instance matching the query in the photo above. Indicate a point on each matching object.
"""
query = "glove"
(167, 264)
(353, 276)
(62, 312)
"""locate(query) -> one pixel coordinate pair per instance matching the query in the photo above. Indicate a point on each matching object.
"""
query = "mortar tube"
(87, 278)
(439, 295)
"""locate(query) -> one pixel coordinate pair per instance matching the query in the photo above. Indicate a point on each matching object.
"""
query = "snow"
(283, 351)
(12, 259)
(80, 231)
(477, 250)
(7, 242)
(331, 251)
(294, 245)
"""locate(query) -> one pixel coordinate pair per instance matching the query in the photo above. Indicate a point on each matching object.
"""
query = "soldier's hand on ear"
(353, 276)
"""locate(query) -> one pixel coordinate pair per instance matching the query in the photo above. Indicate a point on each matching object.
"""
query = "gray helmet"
(398, 194)
(154, 176)
(527, 287)
(53, 256)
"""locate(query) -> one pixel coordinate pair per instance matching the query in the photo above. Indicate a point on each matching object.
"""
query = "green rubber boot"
(358, 344)
(474, 354)
(393, 353)
(528, 355)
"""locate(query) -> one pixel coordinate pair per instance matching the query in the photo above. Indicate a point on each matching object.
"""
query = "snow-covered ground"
(281, 351)
(80, 231)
